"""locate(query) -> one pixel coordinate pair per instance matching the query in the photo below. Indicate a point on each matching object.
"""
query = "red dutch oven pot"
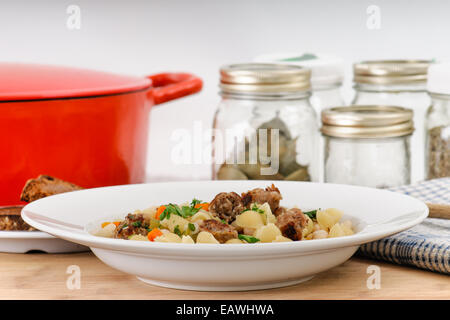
(83, 126)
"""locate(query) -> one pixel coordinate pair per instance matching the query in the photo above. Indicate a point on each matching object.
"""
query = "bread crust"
(10, 219)
(41, 187)
(45, 186)
(10, 211)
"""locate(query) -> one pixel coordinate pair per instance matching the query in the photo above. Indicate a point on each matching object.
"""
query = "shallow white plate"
(216, 267)
(26, 241)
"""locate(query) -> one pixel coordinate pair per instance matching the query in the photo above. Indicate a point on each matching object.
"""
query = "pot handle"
(170, 86)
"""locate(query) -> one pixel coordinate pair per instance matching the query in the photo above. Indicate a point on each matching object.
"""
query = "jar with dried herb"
(438, 123)
(327, 75)
(265, 127)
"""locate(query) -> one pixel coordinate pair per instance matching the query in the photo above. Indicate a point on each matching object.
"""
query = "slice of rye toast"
(41, 187)
(45, 186)
(10, 219)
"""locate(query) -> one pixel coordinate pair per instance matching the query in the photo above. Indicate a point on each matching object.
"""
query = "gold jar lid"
(367, 122)
(264, 78)
(390, 72)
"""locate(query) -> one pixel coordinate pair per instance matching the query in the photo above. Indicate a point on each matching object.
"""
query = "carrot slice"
(116, 223)
(104, 224)
(159, 211)
(203, 206)
(154, 234)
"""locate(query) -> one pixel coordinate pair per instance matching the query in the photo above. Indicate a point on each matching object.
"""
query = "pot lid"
(21, 81)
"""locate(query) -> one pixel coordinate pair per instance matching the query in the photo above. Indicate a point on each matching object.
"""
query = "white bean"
(320, 234)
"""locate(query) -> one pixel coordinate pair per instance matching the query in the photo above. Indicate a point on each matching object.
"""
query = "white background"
(145, 37)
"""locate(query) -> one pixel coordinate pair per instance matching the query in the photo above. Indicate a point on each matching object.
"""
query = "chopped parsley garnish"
(247, 238)
(223, 221)
(256, 209)
(184, 211)
(163, 215)
(177, 230)
(195, 202)
(170, 209)
(312, 214)
(188, 211)
(137, 224)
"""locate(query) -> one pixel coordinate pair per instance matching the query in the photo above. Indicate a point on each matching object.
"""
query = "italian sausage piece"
(271, 195)
(291, 223)
(221, 231)
(226, 206)
(133, 224)
(279, 211)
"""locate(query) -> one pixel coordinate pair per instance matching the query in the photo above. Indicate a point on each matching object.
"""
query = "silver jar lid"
(264, 78)
(391, 72)
(367, 122)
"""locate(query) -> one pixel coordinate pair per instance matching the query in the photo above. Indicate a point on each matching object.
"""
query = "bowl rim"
(22, 234)
(79, 235)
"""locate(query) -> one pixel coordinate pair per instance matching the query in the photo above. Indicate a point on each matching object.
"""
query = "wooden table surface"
(44, 276)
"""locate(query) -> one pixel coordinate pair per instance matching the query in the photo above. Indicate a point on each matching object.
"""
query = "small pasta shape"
(308, 228)
(319, 234)
(107, 231)
(340, 230)
(201, 215)
(168, 237)
(267, 216)
(187, 239)
(234, 241)
(281, 238)
(206, 237)
(328, 218)
(195, 231)
(348, 230)
(149, 212)
(267, 233)
(249, 231)
(175, 221)
(249, 219)
(138, 237)
(348, 224)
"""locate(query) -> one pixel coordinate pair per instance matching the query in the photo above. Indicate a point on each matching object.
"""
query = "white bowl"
(218, 267)
(27, 241)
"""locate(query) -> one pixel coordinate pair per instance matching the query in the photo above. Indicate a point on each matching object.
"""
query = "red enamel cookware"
(83, 126)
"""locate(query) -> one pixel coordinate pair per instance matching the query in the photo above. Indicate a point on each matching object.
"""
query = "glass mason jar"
(326, 96)
(399, 83)
(367, 145)
(327, 75)
(265, 127)
(438, 123)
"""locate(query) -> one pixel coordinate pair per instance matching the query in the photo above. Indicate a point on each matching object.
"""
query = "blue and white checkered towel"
(425, 246)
